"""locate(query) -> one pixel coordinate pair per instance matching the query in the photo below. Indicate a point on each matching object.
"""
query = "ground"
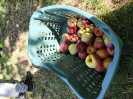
(14, 61)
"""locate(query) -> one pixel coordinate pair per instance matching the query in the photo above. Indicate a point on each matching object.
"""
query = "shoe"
(21, 95)
(29, 82)
(0, 49)
(29, 77)
(30, 85)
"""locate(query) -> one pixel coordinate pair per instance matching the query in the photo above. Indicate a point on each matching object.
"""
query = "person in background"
(17, 90)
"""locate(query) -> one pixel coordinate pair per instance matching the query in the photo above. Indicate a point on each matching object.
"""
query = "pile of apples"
(88, 42)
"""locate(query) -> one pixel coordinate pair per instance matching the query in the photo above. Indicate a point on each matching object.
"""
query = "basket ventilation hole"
(44, 51)
(88, 89)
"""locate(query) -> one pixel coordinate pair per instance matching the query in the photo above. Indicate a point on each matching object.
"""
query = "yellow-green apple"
(91, 49)
(102, 53)
(82, 23)
(111, 51)
(72, 22)
(99, 43)
(98, 32)
(71, 30)
(80, 32)
(74, 38)
(66, 37)
(90, 28)
(83, 55)
(80, 46)
(92, 60)
(58, 49)
(106, 62)
(104, 36)
(72, 49)
(108, 43)
(87, 38)
(100, 67)
(64, 47)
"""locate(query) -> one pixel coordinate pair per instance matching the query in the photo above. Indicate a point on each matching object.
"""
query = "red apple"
(80, 46)
(98, 43)
(100, 67)
(71, 30)
(98, 32)
(91, 49)
(74, 38)
(87, 38)
(64, 47)
(111, 51)
(66, 37)
(92, 60)
(72, 22)
(83, 55)
(108, 43)
(82, 23)
(102, 53)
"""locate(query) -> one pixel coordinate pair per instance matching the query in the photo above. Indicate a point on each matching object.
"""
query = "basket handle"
(39, 15)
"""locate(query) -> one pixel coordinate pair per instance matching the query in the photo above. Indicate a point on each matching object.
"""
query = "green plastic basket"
(46, 27)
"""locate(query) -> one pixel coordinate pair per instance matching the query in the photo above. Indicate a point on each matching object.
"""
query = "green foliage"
(3, 3)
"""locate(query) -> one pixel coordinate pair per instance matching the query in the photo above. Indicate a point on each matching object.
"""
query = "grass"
(14, 63)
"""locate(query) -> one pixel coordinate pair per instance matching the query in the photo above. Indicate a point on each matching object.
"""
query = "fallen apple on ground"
(92, 60)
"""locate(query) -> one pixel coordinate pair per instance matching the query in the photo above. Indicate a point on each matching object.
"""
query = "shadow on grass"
(18, 14)
(121, 22)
